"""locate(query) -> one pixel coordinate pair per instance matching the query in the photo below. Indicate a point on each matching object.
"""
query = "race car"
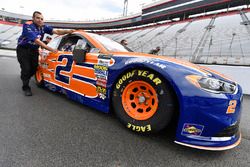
(145, 91)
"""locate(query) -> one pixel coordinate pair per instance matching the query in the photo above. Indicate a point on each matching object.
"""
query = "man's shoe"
(25, 87)
(27, 92)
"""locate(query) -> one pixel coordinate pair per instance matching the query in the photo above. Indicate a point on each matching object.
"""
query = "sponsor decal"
(148, 61)
(101, 56)
(101, 92)
(100, 72)
(100, 89)
(103, 62)
(100, 67)
(192, 129)
(102, 96)
(143, 73)
(46, 75)
(146, 128)
(102, 84)
(102, 80)
(104, 77)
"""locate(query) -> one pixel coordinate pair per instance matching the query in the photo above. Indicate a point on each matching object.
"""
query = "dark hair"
(36, 12)
(123, 40)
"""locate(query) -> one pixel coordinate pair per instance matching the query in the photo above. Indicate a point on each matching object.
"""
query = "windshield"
(109, 44)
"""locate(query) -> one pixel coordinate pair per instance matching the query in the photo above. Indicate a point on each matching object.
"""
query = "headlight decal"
(194, 80)
(211, 84)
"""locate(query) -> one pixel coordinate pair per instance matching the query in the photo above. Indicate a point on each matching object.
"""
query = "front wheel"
(143, 101)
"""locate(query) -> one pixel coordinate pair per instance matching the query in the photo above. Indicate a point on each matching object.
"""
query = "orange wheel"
(39, 78)
(143, 101)
(140, 100)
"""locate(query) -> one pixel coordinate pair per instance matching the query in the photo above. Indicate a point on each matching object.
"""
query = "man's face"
(125, 43)
(48, 39)
(38, 19)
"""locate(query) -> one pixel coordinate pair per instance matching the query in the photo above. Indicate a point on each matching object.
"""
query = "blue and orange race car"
(145, 91)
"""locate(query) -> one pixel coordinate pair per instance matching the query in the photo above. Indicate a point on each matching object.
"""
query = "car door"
(88, 76)
(76, 78)
(93, 74)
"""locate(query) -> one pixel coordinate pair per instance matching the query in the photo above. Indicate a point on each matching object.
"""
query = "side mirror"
(80, 51)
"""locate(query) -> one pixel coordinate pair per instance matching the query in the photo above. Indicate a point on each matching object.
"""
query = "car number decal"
(231, 106)
(79, 79)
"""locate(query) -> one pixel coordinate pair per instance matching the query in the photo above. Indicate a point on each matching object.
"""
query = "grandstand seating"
(9, 35)
(218, 39)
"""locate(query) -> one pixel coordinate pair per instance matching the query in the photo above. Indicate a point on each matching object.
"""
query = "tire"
(143, 101)
(39, 79)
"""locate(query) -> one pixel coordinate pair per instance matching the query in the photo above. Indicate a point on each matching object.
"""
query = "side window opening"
(68, 43)
(82, 44)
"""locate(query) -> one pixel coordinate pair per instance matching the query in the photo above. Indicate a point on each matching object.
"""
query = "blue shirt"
(32, 32)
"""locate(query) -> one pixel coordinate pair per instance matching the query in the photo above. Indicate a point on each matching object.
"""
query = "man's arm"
(40, 43)
(62, 32)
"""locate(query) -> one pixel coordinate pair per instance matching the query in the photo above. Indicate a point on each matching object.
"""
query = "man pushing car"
(28, 44)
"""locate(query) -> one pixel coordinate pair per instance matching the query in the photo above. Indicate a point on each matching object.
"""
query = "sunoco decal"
(192, 129)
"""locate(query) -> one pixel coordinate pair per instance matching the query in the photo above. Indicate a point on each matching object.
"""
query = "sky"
(74, 9)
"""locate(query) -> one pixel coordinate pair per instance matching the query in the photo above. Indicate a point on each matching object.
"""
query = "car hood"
(182, 65)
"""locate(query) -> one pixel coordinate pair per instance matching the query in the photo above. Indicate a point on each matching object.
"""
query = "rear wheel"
(143, 101)
(39, 79)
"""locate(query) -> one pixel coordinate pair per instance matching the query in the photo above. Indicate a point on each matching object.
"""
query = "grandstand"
(210, 32)
(10, 28)
(215, 39)
(9, 33)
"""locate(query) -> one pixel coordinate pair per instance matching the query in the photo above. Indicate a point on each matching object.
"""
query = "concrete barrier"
(6, 52)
